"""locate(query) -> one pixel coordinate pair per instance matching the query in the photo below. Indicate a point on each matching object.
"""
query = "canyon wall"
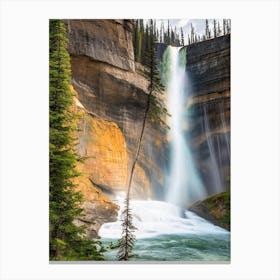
(112, 96)
(208, 83)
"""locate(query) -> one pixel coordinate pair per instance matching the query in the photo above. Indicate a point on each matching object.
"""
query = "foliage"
(172, 36)
(66, 241)
(219, 207)
(155, 111)
(126, 243)
(216, 31)
(142, 36)
(155, 104)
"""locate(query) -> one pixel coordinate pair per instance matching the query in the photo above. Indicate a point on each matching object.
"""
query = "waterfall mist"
(183, 184)
(216, 177)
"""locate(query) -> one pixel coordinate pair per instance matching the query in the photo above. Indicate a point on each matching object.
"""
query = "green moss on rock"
(215, 209)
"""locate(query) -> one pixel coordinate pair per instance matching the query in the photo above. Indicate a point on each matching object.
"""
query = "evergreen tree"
(228, 26)
(135, 39)
(182, 37)
(219, 29)
(172, 39)
(207, 31)
(192, 34)
(145, 45)
(162, 33)
(154, 111)
(168, 33)
(66, 241)
(157, 35)
(215, 28)
(154, 24)
(224, 26)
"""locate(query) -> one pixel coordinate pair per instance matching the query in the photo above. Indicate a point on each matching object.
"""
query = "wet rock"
(208, 71)
(215, 209)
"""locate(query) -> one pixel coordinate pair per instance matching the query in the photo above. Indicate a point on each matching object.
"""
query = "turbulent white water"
(155, 218)
(184, 185)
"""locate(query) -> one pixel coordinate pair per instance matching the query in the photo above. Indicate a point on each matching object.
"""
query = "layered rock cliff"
(112, 94)
(208, 72)
(111, 89)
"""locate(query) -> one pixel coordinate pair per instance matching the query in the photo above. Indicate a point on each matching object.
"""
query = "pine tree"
(182, 37)
(172, 39)
(145, 44)
(157, 35)
(224, 27)
(162, 33)
(228, 26)
(154, 111)
(215, 28)
(135, 39)
(66, 241)
(168, 33)
(192, 34)
(219, 29)
(207, 31)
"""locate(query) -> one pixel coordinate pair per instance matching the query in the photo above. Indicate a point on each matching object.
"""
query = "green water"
(189, 247)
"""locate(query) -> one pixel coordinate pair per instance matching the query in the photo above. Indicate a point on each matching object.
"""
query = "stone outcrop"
(215, 209)
(103, 40)
(97, 208)
(208, 72)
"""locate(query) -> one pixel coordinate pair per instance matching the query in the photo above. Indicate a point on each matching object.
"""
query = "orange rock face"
(103, 145)
(103, 148)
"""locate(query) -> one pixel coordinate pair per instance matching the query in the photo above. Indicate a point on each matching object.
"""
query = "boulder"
(215, 209)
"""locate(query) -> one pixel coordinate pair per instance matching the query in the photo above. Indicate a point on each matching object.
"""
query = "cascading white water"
(154, 218)
(184, 185)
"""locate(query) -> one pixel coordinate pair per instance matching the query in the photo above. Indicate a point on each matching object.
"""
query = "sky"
(198, 24)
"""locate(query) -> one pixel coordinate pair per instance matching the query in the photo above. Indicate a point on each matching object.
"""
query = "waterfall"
(184, 184)
(156, 218)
